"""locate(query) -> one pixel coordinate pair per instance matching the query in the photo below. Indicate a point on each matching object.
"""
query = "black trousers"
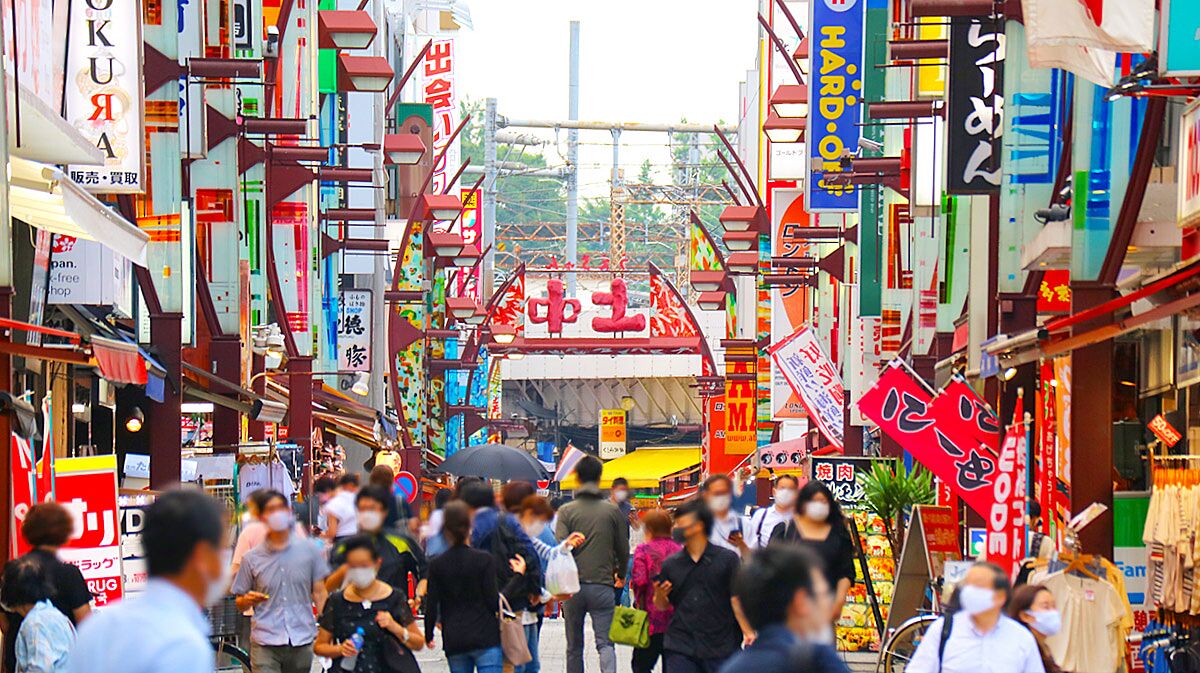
(644, 659)
(674, 662)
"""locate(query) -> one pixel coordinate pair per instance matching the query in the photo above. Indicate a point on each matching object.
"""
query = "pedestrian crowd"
(699, 589)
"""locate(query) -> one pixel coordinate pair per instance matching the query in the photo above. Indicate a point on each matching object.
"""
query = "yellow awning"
(643, 467)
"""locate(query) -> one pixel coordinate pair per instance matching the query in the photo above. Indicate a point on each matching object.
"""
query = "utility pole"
(489, 196)
(573, 160)
(377, 395)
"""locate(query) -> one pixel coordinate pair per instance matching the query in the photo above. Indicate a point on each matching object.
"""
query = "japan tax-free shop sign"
(103, 92)
(836, 89)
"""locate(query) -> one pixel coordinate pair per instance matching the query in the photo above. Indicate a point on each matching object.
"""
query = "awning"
(44, 135)
(643, 467)
(120, 362)
(46, 198)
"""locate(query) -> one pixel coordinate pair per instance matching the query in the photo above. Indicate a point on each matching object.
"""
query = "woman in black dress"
(368, 604)
(820, 525)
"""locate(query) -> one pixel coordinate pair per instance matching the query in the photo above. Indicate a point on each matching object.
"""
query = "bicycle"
(902, 642)
(226, 622)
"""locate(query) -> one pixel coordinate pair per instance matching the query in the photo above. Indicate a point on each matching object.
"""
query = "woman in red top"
(647, 562)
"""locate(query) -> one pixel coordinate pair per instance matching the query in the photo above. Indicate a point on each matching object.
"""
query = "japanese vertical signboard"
(22, 493)
(466, 281)
(835, 110)
(87, 487)
(804, 364)
(856, 630)
(741, 437)
(1189, 165)
(1006, 518)
(438, 90)
(612, 433)
(904, 410)
(133, 556)
(354, 331)
(104, 92)
(976, 107)
(1047, 481)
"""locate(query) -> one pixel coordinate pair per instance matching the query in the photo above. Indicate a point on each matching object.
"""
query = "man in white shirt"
(765, 519)
(981, 639)
(727, 526)
(340, 512)
(165, 627)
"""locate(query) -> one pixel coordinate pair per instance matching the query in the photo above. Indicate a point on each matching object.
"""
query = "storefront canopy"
(43, 135)
(644, 467)
(46, 198)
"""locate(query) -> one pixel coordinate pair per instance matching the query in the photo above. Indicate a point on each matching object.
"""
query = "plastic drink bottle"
(348, 663)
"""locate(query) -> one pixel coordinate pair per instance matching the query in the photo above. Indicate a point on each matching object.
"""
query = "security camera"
(271, 48)
(869, 145)
(1056, 213)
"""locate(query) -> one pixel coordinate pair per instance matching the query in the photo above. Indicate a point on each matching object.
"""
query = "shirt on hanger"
(1091, 615)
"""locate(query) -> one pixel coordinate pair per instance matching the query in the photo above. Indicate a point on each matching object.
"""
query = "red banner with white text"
(1006, 520)
(87, 487)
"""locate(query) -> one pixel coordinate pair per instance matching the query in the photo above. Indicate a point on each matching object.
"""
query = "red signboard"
(1164, 431)
(22, 493)
(1054, 295)
(87, 487)
(903, 408)
(1047, 464)
(1006, 518)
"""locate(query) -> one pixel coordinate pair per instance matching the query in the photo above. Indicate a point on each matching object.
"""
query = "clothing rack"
(1177, 470)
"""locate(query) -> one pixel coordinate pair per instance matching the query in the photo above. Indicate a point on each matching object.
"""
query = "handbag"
(630, 626)
(397, 657)
(512, 636)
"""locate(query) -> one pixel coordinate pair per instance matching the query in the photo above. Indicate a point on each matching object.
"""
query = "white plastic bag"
(562, 575)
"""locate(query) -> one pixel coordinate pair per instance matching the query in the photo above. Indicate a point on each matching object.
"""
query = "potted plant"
(890, 491)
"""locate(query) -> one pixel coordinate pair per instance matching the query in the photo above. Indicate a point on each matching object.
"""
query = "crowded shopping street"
(680, 336)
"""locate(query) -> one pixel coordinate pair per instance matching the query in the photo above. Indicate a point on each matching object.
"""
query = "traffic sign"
(406, 485)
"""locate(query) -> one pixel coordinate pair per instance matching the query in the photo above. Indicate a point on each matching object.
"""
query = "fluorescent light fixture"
(196, 407)
(361, 385)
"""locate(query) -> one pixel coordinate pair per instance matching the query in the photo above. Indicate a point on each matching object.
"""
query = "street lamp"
(738, 241)
(403, 148)
(785, 130)
(345, 29)
(363, 73)
(136, 420)
(711, 301)
(790, 101)
(739, 218)
(361, 385)
(504, 334)
(441, 207)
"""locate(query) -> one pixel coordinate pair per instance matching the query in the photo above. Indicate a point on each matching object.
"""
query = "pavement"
(554, 654)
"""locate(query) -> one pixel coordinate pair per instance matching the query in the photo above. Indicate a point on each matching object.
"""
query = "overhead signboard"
(975, 121)
(1179, 39)
(836, 106)
(104, 92)
(354, 331)
(612, 433)
(808, 370)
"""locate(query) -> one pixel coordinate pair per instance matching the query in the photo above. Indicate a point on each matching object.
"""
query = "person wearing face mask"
(164, 628)
(339, 510)
(648, 558)
(369, 604)
(255, 530)
(706, 627)
(727, 526)
(1033, 605)
(978, 637)
(400, 556)
(281, 579)
(534, 514)
(787, 601)
(765, 519)
(819, 525)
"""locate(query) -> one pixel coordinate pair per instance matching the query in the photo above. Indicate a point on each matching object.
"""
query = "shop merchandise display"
(1168, 648)
(258, 472)
(1170, 535)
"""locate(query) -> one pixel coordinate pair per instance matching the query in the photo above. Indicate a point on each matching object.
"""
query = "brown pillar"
(257, 431)
(852, 435)
(1091, 421)
(300, 399)
(1018, 313)
(225, 351)
(166, 334)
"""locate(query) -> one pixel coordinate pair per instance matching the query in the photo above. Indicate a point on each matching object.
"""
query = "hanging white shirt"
(1007, 648)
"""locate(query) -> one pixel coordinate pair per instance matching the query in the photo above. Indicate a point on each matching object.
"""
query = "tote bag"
(630, 626)
(512, 636)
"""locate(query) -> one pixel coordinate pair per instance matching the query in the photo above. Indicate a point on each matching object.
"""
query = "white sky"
(640, 60)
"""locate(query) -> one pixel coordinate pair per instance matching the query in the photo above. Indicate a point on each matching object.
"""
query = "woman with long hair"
(1033, 606)
(820, 525)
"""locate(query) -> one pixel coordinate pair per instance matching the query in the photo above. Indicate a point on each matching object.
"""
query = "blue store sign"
(835, 86)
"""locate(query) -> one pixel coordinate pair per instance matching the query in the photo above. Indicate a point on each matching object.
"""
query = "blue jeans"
(490, 660)
(531, 639)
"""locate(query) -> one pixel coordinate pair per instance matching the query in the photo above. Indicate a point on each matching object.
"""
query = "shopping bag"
(630, 626)
(512, 636)
(562, 575)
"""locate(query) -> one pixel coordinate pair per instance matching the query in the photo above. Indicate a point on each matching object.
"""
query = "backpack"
(947, 627)
(504, 544)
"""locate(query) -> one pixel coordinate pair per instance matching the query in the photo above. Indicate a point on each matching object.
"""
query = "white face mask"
(279, 520)
(825, 636)
(720, 503)
(1046, 622)
(621, 496)
(535, 529)
(975, 600)
(817, 510)
(785, 497)
(370, 520)
(218, 588)
(360, 577)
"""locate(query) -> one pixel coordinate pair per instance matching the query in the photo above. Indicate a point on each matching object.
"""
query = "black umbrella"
(494, 461)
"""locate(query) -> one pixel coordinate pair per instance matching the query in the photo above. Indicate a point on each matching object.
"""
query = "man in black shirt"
(705, 629)
(47, 527)
(399, 555)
